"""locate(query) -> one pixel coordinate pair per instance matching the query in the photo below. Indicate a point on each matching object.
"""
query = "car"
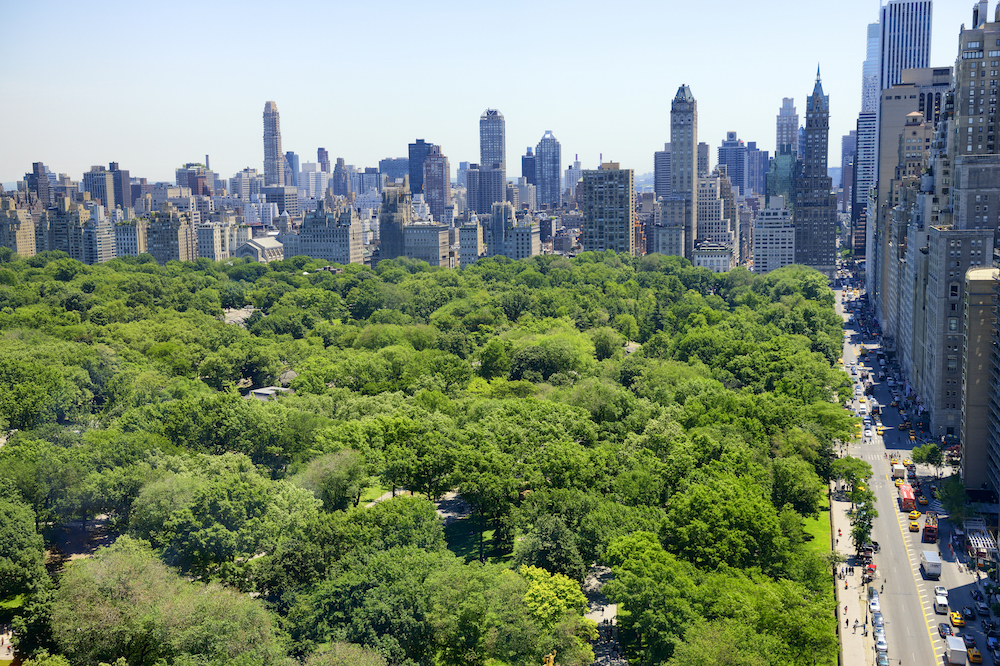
(868, 432)
(874, 606)
(894, 461)
(983, 609)
(882, 660)
(862, 399)
(898, 482)
(992, 643)
(922, 500)
(996, 655)
(970, 640)
(881, 645)
(914, 526)
(956, 619)
(914, 515)
(968, 613)
(878, 621)
(975, 656)
(944, 630)
(940, 591)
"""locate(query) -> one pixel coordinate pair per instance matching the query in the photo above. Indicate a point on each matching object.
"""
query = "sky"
(153, 86)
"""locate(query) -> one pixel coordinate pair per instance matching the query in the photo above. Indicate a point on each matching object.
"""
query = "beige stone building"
(977, 338)
(17, 228)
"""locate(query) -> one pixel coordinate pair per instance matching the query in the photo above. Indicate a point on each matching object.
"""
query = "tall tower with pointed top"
(274, 159)
(815, 205)
(684, 161)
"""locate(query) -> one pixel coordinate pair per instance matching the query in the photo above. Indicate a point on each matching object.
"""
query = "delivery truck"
(930, 562)
(957, 654)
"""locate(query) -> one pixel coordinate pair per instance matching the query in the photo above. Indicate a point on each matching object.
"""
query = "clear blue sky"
(154, 85)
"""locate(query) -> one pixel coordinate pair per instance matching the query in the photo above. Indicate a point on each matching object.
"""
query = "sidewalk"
(855, 646)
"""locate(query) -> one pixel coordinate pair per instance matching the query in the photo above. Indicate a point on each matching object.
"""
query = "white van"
(941, 605)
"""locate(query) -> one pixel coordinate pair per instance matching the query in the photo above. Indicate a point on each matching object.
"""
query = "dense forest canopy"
(638, 413)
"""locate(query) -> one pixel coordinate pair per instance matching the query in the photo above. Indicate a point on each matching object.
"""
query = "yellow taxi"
(914, 515)
(914, 526)
(861, 399)
(922, 500)
(899, 482)
(956, 619)
(840, 361)
(880, 430)
(907, 462)
(894, 461)
(975, 656)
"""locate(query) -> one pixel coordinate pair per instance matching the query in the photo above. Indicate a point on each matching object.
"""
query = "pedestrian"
(845, 610)
(883, 588)
(847, 623)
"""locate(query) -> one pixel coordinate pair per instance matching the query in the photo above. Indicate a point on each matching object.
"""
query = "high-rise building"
(684, 160)
(122, 185)
(607, 201)
(815, 205)
(286, 197)
(703, 159)
(773, 237)
(787, 130)
(864, 180)
(904, 39)
(332, 234)
(395, 213)
(17, 228)
(323, 157)
(39, 183)
(870, 82)
(274, 159)
(171, 236)
(492, 140)
(548, 157)
(848, 148)
(292, 169)
(81, 230)
(733, 154)
(394, 168)
(661, 172)
(437, 183)
(527, 167)
(101, 185)
(572, 176)
(418, 152)
(340, 183)
(757, 166)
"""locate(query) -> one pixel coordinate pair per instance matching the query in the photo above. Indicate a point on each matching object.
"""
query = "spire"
(817, 72)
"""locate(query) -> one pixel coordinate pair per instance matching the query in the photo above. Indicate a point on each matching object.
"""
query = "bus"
(930, 527)
(906, 499)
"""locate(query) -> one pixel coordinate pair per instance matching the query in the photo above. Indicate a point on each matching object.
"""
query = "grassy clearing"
(372, 493)
(462, 537)
(818, 531)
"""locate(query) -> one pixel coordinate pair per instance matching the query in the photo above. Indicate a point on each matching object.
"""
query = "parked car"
(945, 630)
(982, 608)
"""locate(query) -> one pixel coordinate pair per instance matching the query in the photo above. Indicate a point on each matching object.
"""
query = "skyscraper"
(703, 159)
(733, 154)
(394, 168)
(418, 152)
(870, 70)
(548, 156)
(323, 157)
(395, 213)
(38, 182)
(437, 183)
(341, 182)
(492, 141)
(101, 185)
(528, 167)
(848, 149)
(661, 171)
(815, 206)
(292, 169)
(787, 126)
(274, 159)
(607, 201)
(904, 39)
(684, 160)
(122, 184)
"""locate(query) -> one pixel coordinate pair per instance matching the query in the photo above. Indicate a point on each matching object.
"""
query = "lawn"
(462, 537)
(818, 531)
(372, 493)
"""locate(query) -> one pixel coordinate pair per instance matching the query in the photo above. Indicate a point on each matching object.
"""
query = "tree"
(853, 471)
(337, 479)
(794, 482)
(550, 545)
(22, 551)
(954, 498)
(345, 654)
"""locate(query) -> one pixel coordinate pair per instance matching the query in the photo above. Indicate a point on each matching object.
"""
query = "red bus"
(930, 527)
(906, 498)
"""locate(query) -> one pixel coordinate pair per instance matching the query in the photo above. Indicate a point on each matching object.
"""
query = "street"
(906, 596)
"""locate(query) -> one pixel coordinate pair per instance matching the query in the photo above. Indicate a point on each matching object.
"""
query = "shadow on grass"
(462, 537)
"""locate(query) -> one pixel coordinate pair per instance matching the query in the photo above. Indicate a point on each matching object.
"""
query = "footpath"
(855, 635)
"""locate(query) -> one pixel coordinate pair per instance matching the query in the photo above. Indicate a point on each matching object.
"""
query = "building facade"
(395, 213)
(815, 205)
(274, 158)
(548, 156)
(607, 201)
(437, 183)
(684, 161)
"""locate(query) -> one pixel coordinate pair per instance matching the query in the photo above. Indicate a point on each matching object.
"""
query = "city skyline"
(124, 114)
